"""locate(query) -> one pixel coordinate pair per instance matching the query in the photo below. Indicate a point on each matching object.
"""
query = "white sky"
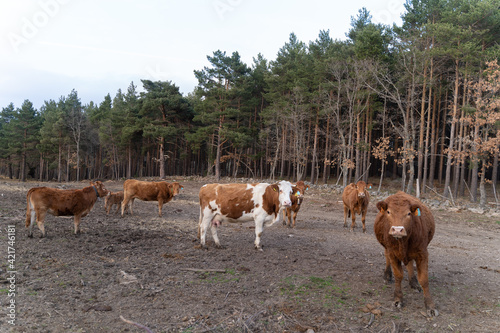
(49, 47)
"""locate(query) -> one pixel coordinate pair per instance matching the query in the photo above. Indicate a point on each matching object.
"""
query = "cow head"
(400, 217)
(175, 188)
(106, 198)
(299, 189)
(284, 190)
(361, 187)
(99, 188)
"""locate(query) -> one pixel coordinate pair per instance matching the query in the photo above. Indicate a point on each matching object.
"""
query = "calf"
(297, 198)
(356, 199)
(405, 226)
(162, 192)
(77, 203)
(113, 198)
(260, 203)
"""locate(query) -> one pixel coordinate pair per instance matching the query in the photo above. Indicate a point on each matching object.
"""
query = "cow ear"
(382, 206)
(275, 187)
(307, 187)
(415, 209)
(370, 186)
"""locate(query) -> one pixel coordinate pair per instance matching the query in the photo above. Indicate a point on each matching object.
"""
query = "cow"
(259, 202)
(113, 198)
(405, 226)
(77, 203)
(299, 190)
(162, 192)
(356, 199)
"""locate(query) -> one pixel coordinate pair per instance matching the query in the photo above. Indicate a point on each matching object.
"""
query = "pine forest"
(417, 103)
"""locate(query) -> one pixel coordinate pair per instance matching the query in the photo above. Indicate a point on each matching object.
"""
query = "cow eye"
(409, 213)
(388, 213)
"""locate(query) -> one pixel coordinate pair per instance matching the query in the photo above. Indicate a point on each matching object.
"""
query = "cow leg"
(259, 228)
(353, 218)
(412, 279)
(346, 212)
(77, 224)
(160, 207)
(130, 206)
(294, 218)
(125, 203)
(388, 270)
(215, 223)
(204, 223)
(40, 218)
(398, 277)
(32, 219)
(423, 279)
(363, 218)
(286, 217)
(118, 208)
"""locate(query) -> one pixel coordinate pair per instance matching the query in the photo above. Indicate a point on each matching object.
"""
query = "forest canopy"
(418, 102)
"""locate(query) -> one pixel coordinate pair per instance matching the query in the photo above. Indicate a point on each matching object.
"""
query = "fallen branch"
(136, 324)
(203, 270)
(433, 190)
(451, 196)
(372, 319)
(368, 168)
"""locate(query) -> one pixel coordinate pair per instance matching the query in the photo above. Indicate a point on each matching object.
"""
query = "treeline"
(420, 102)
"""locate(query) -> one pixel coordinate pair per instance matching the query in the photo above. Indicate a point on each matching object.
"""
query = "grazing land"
(318, 276)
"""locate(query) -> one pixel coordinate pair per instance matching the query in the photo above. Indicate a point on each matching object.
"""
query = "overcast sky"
(49, 47)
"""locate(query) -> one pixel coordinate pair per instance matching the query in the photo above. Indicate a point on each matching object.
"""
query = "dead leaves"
(372, 308)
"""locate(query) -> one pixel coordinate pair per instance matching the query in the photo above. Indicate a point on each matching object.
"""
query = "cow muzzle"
(398, 232)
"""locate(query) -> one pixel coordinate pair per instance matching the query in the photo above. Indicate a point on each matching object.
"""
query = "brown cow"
(299, 190)
(113, 198)
(405, 226)
(77, 203)
(356, 199)
(162, 192)
(260, 203)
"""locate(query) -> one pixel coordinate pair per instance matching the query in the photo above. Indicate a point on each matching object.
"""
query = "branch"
(203, 270)
(136, 324)
(433, 190)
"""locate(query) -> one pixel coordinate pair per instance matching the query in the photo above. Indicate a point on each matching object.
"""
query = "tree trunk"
(59, 163)
(482, 185)
(427, 138)
(494, 175)
(434, 141)
(358, 163)
(420, 160)
(475, 164)
(326, 163)
(315, 144)
(451, 145)
(40, 177)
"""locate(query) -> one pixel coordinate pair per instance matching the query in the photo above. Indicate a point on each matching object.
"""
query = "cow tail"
(28, 208)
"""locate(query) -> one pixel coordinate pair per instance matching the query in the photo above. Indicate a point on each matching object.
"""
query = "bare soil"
(317, 277)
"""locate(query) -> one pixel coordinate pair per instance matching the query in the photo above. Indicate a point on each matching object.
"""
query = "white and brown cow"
(260, 202)
(77, 203)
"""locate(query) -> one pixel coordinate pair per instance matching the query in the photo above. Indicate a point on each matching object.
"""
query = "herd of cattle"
(404, 226)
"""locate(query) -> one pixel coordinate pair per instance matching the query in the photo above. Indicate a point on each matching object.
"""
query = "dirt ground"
(318, 277)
